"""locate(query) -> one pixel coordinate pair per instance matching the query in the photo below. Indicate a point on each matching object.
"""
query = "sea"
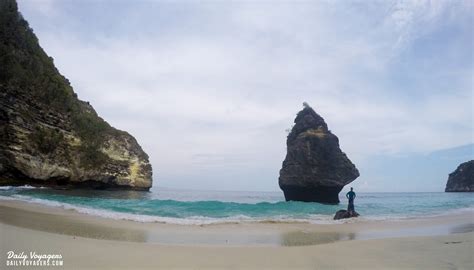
(199, 207)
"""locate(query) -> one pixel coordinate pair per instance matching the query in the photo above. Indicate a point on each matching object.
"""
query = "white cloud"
(44, 7)
(222, 97)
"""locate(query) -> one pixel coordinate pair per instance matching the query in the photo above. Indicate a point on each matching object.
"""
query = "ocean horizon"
(200, 207)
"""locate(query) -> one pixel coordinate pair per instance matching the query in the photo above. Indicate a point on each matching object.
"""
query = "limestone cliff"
(315, 169)
(47, 135)
(462, 179)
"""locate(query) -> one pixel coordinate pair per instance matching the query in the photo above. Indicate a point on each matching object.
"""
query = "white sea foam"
(192, 220)
(411, 216)
(18, 187)
(448, 212)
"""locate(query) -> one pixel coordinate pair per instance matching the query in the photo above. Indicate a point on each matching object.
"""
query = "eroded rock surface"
(315, 169)
(47, 135)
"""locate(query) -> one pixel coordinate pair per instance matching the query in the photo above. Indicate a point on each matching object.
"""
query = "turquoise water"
(206, 207)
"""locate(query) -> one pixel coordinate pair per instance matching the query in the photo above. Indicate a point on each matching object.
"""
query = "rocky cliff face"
(47, 135)
(462, 179)
(315, 169)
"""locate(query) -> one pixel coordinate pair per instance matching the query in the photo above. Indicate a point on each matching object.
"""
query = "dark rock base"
(345, 214)
(328, 195)
(61, 183)
(458, 189)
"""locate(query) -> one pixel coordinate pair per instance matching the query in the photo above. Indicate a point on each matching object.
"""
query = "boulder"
(315, 169)
(345, 214)
(462, 179)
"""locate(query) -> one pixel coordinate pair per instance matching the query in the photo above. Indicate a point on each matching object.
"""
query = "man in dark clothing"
(351, 196)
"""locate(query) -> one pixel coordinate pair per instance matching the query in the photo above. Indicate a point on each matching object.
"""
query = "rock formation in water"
(345, 214)
(315, 169)
(462, 179)
(47, 135)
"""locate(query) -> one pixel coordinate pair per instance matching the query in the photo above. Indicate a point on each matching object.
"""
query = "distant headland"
(462, 179)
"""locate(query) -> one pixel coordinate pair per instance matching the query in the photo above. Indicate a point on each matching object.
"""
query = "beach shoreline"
(86, 241)
(70, 222)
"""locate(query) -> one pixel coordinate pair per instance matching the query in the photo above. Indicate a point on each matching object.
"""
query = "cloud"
(44, 8)
(212, 87)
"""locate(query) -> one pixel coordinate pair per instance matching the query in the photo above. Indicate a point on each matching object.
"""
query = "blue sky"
(208, 88)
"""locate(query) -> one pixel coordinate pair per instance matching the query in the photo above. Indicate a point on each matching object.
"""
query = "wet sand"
(91, 242)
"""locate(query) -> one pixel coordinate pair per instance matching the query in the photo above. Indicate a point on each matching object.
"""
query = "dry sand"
(87, 242)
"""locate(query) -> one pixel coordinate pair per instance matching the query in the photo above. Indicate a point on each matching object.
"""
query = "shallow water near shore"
(60, 221)
(193, 207)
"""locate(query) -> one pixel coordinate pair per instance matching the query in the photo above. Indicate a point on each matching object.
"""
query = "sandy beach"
(87, 242)
(193, 134)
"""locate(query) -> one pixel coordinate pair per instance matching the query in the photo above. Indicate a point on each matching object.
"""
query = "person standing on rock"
(351, 196)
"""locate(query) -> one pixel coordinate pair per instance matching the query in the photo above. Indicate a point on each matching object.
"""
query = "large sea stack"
(47, 135)
(462, 179)
(315, 169)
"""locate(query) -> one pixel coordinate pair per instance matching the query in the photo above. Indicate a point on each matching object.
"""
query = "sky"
(209, 88)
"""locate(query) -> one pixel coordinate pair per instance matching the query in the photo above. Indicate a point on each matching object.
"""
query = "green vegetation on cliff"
(46, 140)
(24, 65)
